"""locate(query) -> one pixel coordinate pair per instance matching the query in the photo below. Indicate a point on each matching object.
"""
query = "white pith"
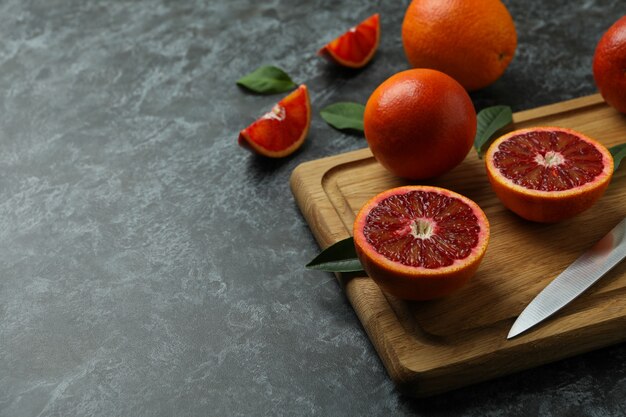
(422, 228)
(277, 113)
(550, 159)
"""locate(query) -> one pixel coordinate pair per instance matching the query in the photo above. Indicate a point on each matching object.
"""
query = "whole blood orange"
(356, 47)
(420, 242)
(548, 174)
(472, 41)
(282, 130)
(419, 123)
(609, 65)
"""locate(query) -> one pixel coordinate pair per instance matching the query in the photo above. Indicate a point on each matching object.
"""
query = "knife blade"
(574, 280)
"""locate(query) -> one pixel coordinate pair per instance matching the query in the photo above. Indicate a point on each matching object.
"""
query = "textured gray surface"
(151, 267)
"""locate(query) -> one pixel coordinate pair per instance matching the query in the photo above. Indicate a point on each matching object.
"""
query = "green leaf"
(618, 152)
(490, 120)
(339, 257)
(344, 115)
(267, 80)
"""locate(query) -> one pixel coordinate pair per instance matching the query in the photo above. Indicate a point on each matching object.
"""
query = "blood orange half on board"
(420, 242)
(281, 131)
(357, 46)
(548, 174)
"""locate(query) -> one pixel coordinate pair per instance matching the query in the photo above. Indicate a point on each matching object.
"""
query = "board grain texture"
(435, 346)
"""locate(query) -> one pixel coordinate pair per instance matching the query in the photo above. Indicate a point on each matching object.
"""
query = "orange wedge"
(356, 47)
(281, 131)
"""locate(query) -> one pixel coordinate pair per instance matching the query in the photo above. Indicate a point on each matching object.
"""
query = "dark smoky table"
(151, 267)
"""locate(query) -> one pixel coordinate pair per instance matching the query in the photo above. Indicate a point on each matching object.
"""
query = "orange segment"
(356, 47)
(548, 174)
(420, 242)
(281, 131)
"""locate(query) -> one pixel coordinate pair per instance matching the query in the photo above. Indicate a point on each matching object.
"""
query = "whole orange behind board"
(472, 41)
(609, 65)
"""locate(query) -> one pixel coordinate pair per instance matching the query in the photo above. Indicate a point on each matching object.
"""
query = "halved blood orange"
(356, 47)
(281, 131)
(548, 174)
(420, 242)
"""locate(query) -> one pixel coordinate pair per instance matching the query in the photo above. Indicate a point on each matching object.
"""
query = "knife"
(574, 280)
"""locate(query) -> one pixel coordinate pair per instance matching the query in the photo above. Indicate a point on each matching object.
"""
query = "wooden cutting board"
(434, 346)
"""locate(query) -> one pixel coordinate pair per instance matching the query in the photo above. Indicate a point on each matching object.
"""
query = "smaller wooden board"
(431, 347)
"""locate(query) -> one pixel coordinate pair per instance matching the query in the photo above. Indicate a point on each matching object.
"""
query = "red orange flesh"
(420, 242)
(548, 174)
(356, 47)
(281, 131)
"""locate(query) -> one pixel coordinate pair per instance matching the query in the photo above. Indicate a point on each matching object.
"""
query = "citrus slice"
(420, 242)
(548, 174)
(357, 46)
(281, 131)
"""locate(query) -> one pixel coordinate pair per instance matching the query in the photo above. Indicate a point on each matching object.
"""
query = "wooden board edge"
(519, 357)
(306, 182)
(574, 104)
(373, 310)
